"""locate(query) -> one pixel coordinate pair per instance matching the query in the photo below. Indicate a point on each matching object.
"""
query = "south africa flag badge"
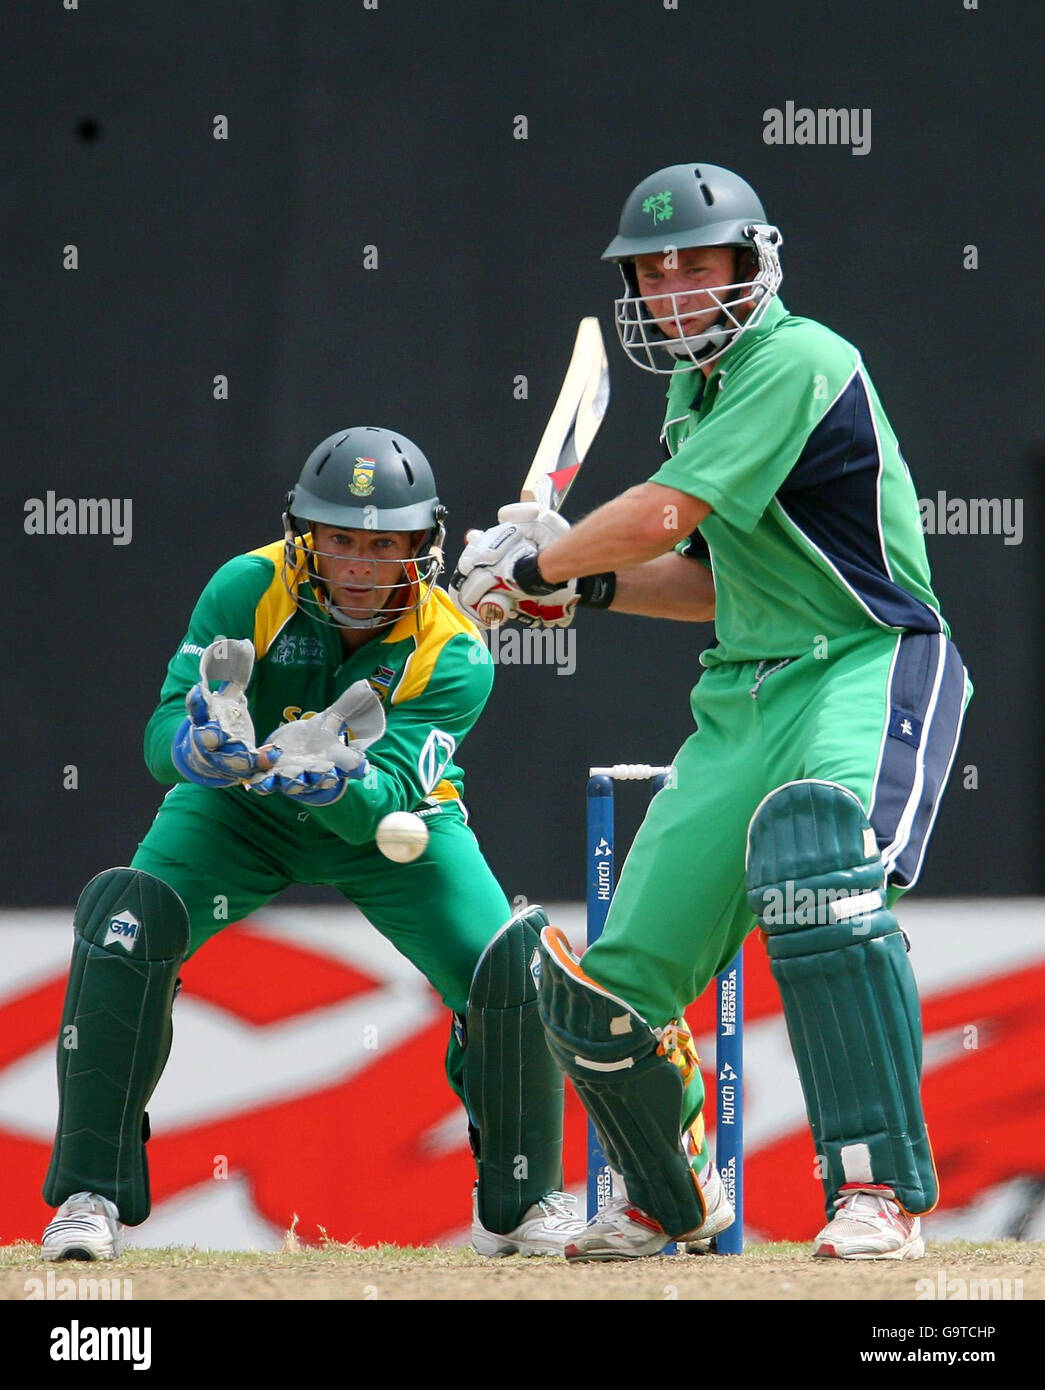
(362, 484)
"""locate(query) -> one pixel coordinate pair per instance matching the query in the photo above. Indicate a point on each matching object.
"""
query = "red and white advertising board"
(306, 1082)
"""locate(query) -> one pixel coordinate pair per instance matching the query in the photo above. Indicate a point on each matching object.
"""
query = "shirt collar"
(747, 340)
(732, 357)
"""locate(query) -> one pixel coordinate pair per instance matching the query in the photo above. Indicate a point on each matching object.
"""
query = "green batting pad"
(817, 885)
(131, 935)
(513, 1089)
(633, 1095)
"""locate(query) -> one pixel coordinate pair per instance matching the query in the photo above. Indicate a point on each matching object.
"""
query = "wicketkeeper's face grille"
(356, 580)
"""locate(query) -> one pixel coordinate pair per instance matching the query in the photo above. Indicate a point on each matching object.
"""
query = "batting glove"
(486, 585)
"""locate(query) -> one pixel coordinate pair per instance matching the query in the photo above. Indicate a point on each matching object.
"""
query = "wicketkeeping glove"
(214, 746)
(317, 758)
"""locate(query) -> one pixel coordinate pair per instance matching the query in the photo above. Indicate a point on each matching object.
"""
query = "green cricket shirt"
(814, 530)
(431, 670)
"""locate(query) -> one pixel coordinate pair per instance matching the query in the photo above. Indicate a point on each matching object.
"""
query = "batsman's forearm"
(640, 524)
(670, 586)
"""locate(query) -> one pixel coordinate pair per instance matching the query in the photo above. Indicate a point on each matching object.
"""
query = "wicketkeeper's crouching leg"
(817, 885)
(131, 936)
(513, 1092)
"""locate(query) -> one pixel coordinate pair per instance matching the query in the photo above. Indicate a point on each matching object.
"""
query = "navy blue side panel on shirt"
(695, 547)
(926, 707)
(831, 496)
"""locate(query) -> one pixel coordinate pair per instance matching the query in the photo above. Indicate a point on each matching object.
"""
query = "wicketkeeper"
(827, 721)
(337, 640)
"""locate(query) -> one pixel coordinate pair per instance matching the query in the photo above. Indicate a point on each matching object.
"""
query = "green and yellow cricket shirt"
(431, 669)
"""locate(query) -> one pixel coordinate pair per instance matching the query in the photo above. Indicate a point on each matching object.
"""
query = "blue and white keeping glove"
(317, 758)
(485, 587)
(214, 746)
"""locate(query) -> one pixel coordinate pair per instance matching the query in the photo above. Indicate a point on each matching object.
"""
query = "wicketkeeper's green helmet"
(365, 479)
(683, 206)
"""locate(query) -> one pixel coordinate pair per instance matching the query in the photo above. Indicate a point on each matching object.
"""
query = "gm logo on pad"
(535, 967)
(123, 929)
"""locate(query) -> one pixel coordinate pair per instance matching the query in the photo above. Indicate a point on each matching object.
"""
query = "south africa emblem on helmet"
(659, 206)
(362, 484)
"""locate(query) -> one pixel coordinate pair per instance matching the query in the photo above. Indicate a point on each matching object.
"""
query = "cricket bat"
(574, 422)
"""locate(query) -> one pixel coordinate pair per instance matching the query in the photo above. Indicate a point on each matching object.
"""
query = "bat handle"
(494, 611)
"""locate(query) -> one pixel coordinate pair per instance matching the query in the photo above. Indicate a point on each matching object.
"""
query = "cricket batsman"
(338, 641)
(827, 720)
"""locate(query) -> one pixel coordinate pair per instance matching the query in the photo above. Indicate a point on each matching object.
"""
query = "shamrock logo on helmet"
(659, 204)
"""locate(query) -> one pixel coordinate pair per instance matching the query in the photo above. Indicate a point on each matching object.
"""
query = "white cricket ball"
(402, 836)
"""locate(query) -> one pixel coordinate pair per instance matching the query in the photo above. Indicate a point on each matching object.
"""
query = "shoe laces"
(616, 1207)
(560, 1206)
(621, 1210)
(863, 1202)
(83, 1201)
(88, 1203)
(870, 1204)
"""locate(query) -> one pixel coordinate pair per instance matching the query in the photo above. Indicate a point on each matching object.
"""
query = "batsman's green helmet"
(686, 205)
(677, 209)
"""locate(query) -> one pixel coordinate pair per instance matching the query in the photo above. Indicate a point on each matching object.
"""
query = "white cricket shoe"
(720, 1213)
(869, 1224)
(622, 1231)
(619, 1231)
(545, 1229)
(85, 1227)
